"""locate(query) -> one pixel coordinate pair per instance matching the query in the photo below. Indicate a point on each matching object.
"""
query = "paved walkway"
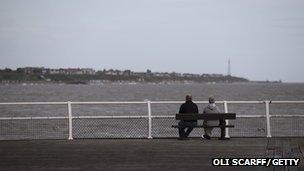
(143, 154)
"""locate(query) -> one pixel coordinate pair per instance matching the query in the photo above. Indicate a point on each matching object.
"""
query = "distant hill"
(88, 75)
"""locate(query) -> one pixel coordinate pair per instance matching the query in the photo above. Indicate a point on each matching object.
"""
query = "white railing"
(149, 115)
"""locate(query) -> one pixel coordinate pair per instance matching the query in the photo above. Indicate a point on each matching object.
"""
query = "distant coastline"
(89, 76)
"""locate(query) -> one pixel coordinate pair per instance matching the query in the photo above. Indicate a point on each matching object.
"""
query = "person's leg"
(181, 129)
(190, 126)
(188, 131)
(208, 131)
(222, 133)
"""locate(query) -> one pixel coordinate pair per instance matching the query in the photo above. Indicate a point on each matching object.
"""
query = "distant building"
(205, 75)
(118, 72)
(110, 72)
(54, 71)
(149, 73)
(127, 73)
(166, 74)
(45, 71)
(35, 70)
(217, 75)
(28, 70)
(157, 74)
(187, 75)
(88, 71)
(139, 74)
(72, 71)
(161, 74)
(62, 71)
(174, 74)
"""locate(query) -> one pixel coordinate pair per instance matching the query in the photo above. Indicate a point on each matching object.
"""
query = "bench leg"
(223, 130)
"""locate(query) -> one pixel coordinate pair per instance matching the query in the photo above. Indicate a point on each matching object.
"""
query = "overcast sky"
(264, 39)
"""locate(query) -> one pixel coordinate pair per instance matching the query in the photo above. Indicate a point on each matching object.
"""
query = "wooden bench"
(221, 117)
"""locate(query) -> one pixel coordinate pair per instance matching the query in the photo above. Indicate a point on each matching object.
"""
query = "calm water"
(140, 92)
(94, 128)
(54, 92)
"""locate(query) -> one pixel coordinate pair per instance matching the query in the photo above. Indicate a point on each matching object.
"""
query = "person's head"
(211, 99)
(188, 97)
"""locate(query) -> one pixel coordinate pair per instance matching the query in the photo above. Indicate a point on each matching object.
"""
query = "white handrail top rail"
(33, 103)
(146, 101)
(294, 101)
(111, 102)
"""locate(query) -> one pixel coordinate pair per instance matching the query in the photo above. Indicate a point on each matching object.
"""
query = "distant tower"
(229, 68)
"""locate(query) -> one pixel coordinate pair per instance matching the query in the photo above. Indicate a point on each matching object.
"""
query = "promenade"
(144, 154)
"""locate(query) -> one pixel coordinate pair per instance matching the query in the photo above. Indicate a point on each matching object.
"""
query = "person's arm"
(181, 109)
(204, 111)
(196, 109)
(217, 109)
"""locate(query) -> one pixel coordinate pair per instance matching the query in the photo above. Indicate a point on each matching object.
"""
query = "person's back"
(210, 108)
(187, 107)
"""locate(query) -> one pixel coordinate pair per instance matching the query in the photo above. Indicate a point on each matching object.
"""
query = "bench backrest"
(205, 116)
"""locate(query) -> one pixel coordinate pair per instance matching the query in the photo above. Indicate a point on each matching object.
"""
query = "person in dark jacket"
(187, 107)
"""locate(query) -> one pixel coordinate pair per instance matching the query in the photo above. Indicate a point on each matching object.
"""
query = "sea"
(138, 128)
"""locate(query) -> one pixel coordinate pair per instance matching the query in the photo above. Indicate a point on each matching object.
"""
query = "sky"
(264, 39)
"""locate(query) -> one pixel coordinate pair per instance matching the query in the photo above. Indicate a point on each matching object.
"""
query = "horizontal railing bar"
(250, 116)
(238, 116)
(34, 103)
(219, 102)
(177, 102)
(118, 102)
(286, 116)
(131, 117)
(163, 116)
(299, 102)
(245, 102)
(142, 102)
(110, 117)
(33, 118)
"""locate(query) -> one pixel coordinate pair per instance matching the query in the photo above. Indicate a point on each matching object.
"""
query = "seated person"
(211, 108)
(187, 107)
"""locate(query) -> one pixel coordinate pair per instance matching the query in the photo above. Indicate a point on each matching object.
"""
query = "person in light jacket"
(211, 108)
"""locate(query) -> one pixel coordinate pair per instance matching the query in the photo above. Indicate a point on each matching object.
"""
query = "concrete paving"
(144, 154)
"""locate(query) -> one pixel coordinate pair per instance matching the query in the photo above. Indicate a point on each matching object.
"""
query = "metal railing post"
(149, 120)
(70, 120)
(227, 121)
(268, 119)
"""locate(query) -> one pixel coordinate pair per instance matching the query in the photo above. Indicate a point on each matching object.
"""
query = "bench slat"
(203, 126)
(205, 116)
